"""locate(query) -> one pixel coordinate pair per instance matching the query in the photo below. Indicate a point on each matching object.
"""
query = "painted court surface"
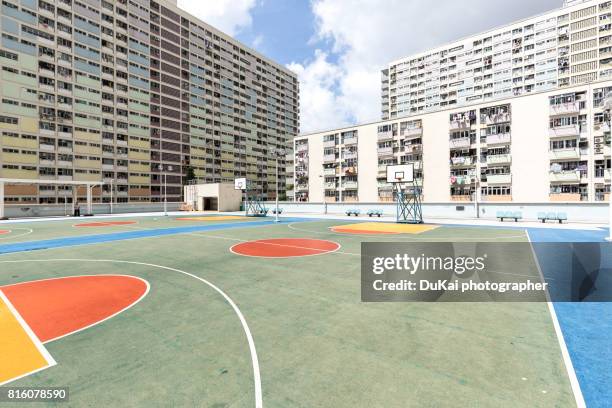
(236, 311)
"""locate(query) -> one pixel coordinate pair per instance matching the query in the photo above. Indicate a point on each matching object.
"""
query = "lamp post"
(165, 174)
(277, 155)
(607, 106)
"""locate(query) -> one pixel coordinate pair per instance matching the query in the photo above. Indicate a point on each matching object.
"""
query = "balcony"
(499, 178)
(413, 148)
(462, 161)
(383, 185)
(459, 124)
(385, 151)
(499, 159)
(385, 136)
(329, 158)
(563, 131)
(412, 132)
(350, 140)
(382, 170)
(460, 143)
(329, 143)
(461, 198)
(565, 197)
(302, 187)
(350, 185)
(572, 176)
(349, 155)
(563, 154)
(497, 118)
(502, 138)
(565, 108)
(608, 175)
(330, 172)
(330, 186)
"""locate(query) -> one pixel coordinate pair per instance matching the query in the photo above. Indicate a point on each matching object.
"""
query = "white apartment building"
(551, 146)
(559, 49)
(510, 115)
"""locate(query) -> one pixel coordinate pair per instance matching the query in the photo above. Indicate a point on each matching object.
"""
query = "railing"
(412, 132)
(349, 184)
(385, 135)
(497, 118)
(383, 151)
(569, 130)
(499, 159)
(499, 178)
(460, 143)
(459, 124)
(462, 161)
(564, 154)
(329, 158)
(571, 175)
(565, 108)
(502, 138)
(329, 143)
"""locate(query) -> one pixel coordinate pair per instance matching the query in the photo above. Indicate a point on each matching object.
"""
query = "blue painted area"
(121, 236)
(586, 327)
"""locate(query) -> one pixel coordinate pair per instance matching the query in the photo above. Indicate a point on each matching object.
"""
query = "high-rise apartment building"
(512, 115)
(130, 92)
(559, 49)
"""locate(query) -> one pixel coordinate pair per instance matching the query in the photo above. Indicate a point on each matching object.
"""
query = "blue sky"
(338, 47)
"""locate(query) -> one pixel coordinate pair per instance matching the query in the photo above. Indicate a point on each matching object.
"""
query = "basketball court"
(248, 312)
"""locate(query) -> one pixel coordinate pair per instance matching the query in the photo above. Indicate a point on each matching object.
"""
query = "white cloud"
(229, 16)
(365, 35)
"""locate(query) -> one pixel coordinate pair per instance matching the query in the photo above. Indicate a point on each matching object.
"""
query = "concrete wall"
(228, 199)
(576, 212)
(39, 210)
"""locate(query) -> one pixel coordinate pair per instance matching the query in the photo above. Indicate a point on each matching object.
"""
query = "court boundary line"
(569, 366)
(108, 224)
(245, 326)
(33, 337)
(29, 231)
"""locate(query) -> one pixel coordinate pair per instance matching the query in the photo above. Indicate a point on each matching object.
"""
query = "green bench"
(552, 216)
(513, 215)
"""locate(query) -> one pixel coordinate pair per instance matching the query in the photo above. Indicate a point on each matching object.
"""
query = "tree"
(190, 175)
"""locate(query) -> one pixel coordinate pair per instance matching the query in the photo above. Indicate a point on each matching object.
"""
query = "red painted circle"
(284, 247)
(360, 232)
(56, 307)
(2, 232)
(104, 223)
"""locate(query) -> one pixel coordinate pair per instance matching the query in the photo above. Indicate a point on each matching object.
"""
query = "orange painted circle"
(2, 232)
(104, 224)
(56, 307)
(361, 232)
(284, 247)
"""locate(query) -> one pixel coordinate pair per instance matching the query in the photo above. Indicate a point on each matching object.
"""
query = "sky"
(338, 47)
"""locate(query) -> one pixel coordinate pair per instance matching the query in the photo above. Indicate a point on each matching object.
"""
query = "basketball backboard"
(400, 173)
(240, 183)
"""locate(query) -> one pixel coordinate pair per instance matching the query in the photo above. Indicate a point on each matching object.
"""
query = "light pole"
(607, 111)
(111, 196)
(165, 174)
(278, 154)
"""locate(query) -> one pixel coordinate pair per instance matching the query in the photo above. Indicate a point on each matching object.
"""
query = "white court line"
(39, 346)
(564, 352)
(245, 326)
(28, 231)
(403, 237)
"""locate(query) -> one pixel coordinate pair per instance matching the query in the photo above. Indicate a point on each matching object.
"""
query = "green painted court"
(217, 327)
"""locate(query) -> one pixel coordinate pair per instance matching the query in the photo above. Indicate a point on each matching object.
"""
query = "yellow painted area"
(18, 351)
(214, 218)
(388, 228)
